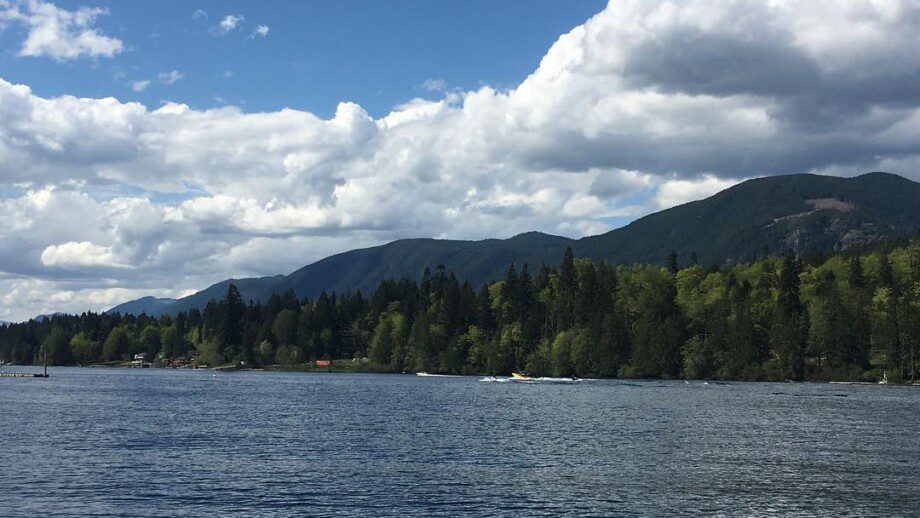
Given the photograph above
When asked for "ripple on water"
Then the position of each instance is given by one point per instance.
(161, 443)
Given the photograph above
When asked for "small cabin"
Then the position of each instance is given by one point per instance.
(323, 363)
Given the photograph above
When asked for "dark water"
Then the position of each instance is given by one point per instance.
(165, 443)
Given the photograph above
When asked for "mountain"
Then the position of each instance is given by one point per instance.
(47, 316)
(810, 214)
(363, 269)
(475, 261)
(250, 289)
(149, 305)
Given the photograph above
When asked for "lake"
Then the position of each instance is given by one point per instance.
(169, 442)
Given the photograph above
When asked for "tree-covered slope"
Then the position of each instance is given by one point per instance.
(809, 214)
(363, 269)
(474, 261)
(250, 289)
(149, 305)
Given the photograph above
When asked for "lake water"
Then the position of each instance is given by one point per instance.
(166, 442)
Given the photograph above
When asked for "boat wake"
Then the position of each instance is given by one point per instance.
(541, 380)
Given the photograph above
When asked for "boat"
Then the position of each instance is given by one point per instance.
(517, 376)
(884, 380)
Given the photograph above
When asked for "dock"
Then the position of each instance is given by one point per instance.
(23, 375)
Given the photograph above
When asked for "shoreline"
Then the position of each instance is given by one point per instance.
(343, 368)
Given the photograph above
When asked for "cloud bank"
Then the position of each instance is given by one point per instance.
(646, 105)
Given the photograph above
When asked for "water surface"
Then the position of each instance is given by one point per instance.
(167, 442)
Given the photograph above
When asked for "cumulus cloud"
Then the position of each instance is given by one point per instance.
(645, 106)
(230, 22)
(260, 30)
(73, 254)
(678, 192)
(58, 33)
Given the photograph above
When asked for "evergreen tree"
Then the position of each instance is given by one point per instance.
(55, 347)
(672, 262)
(790, 327)
(230, 326)
(150, 341)
(116, 344)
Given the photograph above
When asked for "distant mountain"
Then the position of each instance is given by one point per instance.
(810, 214)
(363, 269)
(46, 316)
(250, 289)
(149, 305)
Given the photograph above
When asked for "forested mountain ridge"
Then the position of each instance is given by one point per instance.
(363, 269)
(149, 305)
(808, 214)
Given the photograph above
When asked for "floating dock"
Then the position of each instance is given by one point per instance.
(23, 375)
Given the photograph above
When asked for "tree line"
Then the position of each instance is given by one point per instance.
(846, 317)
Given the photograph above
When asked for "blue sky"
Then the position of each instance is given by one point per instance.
(376, 53)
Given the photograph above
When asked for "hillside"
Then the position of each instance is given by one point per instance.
(250, 289)
(149, 305)
(363, 269)
(475, 261)
(810, 214)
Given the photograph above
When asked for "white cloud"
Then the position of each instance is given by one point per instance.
(57, 33)
(646, 105)
(677, 192)
(73, 254)
(230, 22)
(140, 86)
(260, 30)
(171, 77)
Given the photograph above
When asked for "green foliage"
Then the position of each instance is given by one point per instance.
(172, 342)
(284, 327)
(208, 353)
(846, 317)
(150, 342)
(388, 339)
(85, 350)
(55, 347)
(116, 345)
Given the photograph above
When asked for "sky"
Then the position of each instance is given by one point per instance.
(156, 147)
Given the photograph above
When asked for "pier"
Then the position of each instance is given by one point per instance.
(27, 374)
(23, 375)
